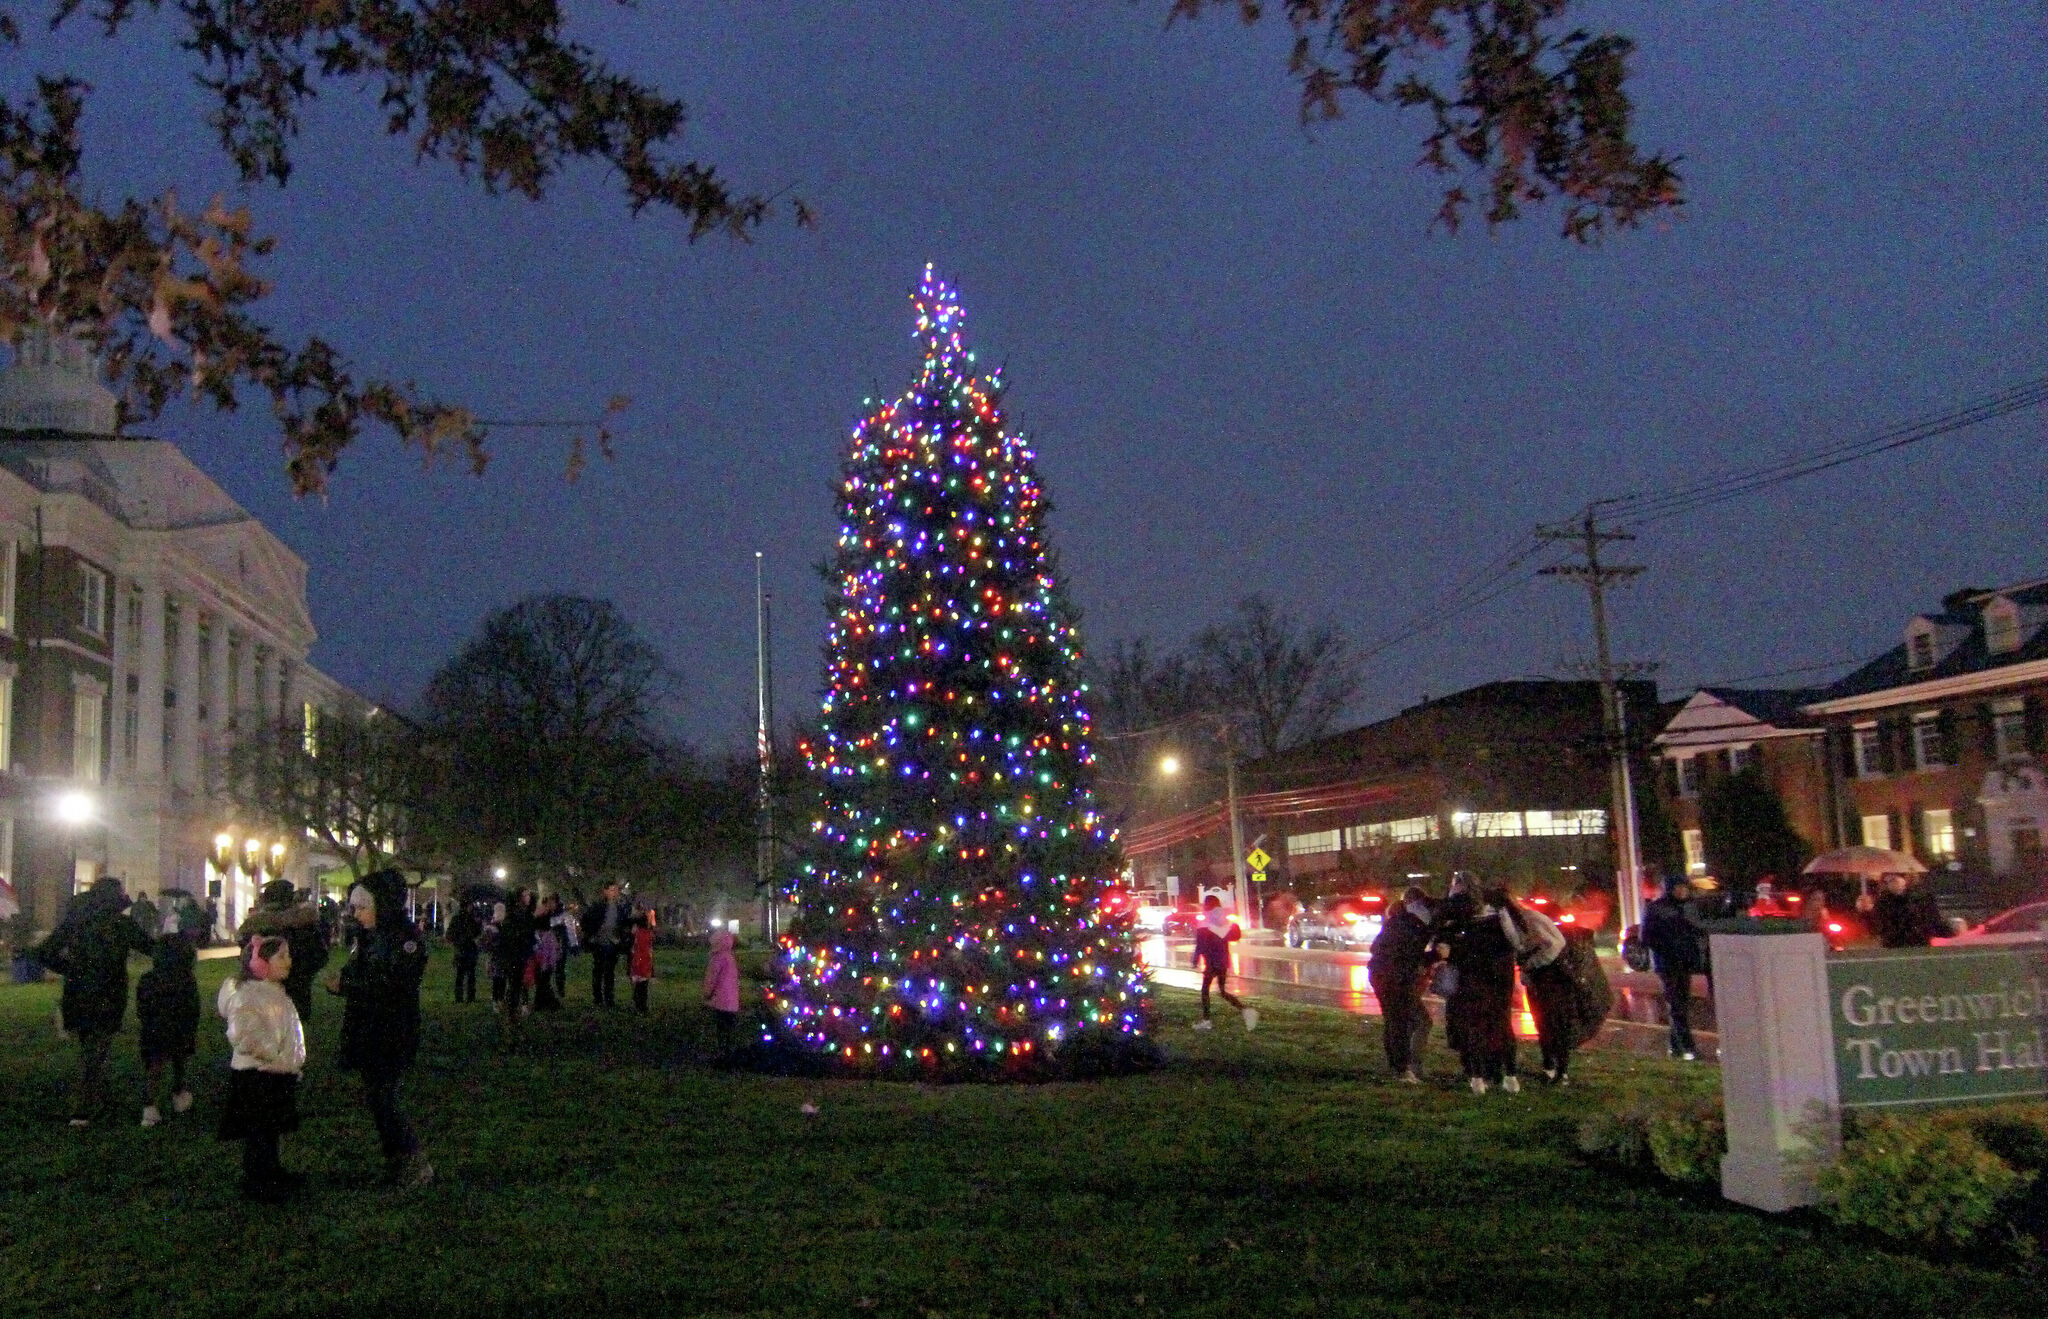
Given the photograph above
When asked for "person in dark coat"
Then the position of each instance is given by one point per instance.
(1481, 1008)
(1677, 953)
(1212, 955)
(1399, 960)
(279, 913)
(607, 932)
(90, 948)
(518, 939)
(167, 1019)
(464, 932)
(380, 1020)
(1904, 914)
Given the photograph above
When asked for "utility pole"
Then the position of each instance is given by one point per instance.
(1587, 538)
(764, 822)
(1239, 896)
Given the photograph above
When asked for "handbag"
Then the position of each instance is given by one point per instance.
(1635, 954)
(1443, 982)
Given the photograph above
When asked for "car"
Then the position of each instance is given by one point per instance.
(1180, 923)
(2026, 923)
(1344, 923)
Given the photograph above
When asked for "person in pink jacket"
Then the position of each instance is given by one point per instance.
(722, 992)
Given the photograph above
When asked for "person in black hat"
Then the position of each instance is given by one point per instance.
(90, 948)
(380, 1021)
(280, 912)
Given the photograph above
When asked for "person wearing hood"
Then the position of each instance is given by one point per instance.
(465, 933)
(280, 912)
(1539, 952)
(1482, 1005)
(90, 948)
(722, 992)
(167, 1021)
(1212, 955)
(380, 1019)
(1399, 960)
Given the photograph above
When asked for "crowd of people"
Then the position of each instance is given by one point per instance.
(269, 1001)
(1467, 948)
(265, 1006)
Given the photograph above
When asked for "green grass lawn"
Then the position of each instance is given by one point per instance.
(595, 1170)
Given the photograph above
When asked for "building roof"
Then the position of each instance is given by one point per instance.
(1963, 612)
(1734, 716)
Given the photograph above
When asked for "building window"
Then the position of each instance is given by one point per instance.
(7, 578)
(1487, 824)
(88, 709)
(131, 724)
(1929, 746)
(1877, 831)
(1695, 851)
(1565, 824)
(1324, 840)
(1869, 751)
(1688, 776)
(1920, 651)
(2009, 730)
(1414, 829)
(1741, 758)
(7, 848)
(1938, 834)
(6, 721)
(92, 601)
(311, 736)
(2001, 627)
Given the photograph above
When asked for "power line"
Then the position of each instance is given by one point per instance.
(1643, 509)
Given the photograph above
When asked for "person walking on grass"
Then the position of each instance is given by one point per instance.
(566, 932)
(263, 1076)
(380, 1021)
(722, 993)
(1212, 957)
(90, 948)
(167, 1019)
(1539, 952)
(280, 911)
(1677, 953)
(1479, 1014)
(547, 955)
(1397, 965)
(465, 934)
(607, 929)
(518, 935)
(640, 962)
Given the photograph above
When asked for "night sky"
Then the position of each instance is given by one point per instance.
(1246, 362)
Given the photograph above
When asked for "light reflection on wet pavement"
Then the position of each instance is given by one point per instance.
(1338, 979)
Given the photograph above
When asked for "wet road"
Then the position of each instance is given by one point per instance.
(1338, 979)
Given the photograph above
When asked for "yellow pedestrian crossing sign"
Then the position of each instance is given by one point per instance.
(1258, 860)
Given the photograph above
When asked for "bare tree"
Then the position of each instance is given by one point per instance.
(355, 781)
(552, 719)
(1283, 682)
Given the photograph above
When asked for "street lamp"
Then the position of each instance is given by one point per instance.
(74, 809)
(500, 873)
(1240, 894)
(1169, 765)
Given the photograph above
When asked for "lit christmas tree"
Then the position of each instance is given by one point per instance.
(950, 913)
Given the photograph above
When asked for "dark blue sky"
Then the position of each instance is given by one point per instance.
(1245, 361)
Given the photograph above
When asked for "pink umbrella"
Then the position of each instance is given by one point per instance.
(1865, 862)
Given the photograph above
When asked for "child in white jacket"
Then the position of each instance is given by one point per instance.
(263, 1078)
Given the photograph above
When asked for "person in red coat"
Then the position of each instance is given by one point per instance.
(640, 962)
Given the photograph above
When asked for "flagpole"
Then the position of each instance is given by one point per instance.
(764, 746)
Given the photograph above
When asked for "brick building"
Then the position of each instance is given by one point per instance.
(1934, 748)
(1937, 745)
(145, 618)
(1721, 731)
(1508, 780)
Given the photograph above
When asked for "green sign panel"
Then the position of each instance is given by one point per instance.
(1939, 1025)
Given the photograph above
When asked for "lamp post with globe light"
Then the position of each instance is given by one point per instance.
(74, 809)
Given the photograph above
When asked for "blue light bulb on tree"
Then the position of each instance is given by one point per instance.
(949, 906)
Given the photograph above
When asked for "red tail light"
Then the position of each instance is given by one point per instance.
(1567, 919)
(1834, 927)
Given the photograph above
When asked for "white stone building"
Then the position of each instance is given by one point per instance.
(145, 620)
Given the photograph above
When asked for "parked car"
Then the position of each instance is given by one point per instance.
(1180, 923)
(2026, 923)
(1347, 923)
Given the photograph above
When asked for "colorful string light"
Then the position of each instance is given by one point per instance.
(952, 914)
